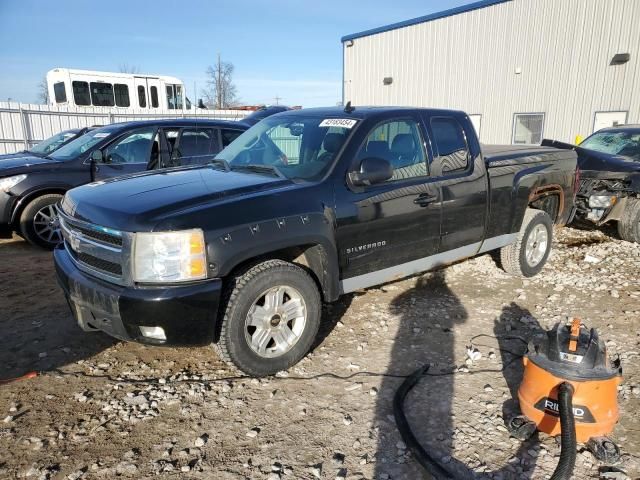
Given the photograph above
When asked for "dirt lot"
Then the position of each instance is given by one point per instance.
(101, 409)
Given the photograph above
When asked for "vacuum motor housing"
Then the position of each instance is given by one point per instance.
(573, 354)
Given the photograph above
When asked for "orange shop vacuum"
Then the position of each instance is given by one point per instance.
(569, 388)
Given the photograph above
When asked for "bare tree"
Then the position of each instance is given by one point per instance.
(43, 92)
(126, 68)
(220, 92)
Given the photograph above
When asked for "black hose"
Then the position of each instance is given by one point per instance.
(428, 463)
(567, 434)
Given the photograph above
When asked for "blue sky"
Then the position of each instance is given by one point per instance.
(288, 48)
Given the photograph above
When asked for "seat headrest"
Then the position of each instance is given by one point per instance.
(403, 144)
(378, 149)
(333, 141)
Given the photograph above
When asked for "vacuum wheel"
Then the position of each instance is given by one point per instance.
(521, 427)
(604, 449)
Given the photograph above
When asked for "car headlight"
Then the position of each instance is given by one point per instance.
(168, 257)
(602, 201)
(8, 183)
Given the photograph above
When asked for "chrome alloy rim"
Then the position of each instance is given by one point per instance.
(275, 321)
(536, 245)
(47, 225)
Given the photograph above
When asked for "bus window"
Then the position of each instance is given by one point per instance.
(154, 97)
(102, 94)
(81, 93)
(179, 96)
(122, 94)
(142, 97)
(60, 92)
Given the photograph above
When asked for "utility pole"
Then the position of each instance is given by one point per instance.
(277, 99)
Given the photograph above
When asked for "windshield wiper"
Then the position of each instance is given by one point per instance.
(221, 162)
(259, 168)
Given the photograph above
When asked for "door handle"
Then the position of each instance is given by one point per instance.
(424, 200)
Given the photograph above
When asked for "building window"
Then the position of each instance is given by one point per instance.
(527, 128)
(81, 93)
(122, 94)
(102, 94)
(60, 92)
(142, 97)
(154, 97)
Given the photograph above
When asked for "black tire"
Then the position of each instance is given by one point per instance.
(244, 290)
(32, 232)
(629, 224)
(513, 258)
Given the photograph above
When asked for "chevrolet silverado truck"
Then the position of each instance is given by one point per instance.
(609, 162)
(302, 208)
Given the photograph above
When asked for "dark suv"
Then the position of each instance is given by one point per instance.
(31, 185)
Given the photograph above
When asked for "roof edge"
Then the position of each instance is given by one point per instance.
(426, 18)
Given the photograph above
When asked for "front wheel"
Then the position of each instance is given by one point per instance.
(271, 318)
(629, 224)
(39, 222)
(529, 253)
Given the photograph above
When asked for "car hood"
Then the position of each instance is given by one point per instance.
(19, 162)
(140, 202)
(606, 162)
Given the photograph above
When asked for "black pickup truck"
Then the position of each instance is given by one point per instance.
(303, 207)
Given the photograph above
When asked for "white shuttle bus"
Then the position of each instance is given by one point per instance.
(122, 91)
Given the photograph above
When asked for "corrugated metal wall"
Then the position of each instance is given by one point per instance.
(23, 125)
(468, 61)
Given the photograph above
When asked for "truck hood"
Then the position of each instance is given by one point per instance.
(21, 163)
(139, 202)
(606, 162)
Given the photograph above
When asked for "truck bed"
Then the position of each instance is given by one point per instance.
(501, 155)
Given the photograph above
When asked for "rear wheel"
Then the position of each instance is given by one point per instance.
(529, 253)
(39, 223)
(271, 318)
(629, 224)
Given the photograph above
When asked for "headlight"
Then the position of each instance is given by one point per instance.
(8, 183)
(601, 201)
(167, 257)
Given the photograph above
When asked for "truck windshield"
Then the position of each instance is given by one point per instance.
(81, 144)
(616, 143)
(299, 147)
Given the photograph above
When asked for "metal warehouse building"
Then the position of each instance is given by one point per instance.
(522, 69)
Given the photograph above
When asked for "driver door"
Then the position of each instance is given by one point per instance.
(131, 153)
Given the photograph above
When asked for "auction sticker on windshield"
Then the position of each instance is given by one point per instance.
(101, 135)
(338, 122)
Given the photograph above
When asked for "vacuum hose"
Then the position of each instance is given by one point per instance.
(436, 470)
(567, 434)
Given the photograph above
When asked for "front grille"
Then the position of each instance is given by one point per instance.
(99, 251)
(95, 262)
(100, 236)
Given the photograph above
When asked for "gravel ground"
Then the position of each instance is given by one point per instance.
(104, 409)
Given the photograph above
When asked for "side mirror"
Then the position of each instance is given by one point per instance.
(96, 156)
(372, 170)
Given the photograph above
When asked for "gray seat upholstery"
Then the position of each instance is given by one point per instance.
(332, 143)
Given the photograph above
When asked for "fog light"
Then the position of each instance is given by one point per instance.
(153, 332)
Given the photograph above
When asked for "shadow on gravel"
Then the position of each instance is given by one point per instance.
(429, 312)
(37, 330)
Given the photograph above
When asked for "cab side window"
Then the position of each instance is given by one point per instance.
(132, 148)
(451, 147)
(400, 143)
(229, 136)
(197, 142)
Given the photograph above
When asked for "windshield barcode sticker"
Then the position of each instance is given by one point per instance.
(338, 122)
(100, 135)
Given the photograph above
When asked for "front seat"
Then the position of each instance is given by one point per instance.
(378, 149)
(403, 150)
(332, 143)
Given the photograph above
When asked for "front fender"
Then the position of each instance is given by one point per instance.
(229, 249)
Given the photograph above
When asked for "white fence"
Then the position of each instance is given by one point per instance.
(22, 125)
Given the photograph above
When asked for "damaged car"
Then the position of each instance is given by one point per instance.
(609, 162)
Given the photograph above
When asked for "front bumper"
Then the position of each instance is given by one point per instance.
(7, 202)
(187, 314)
